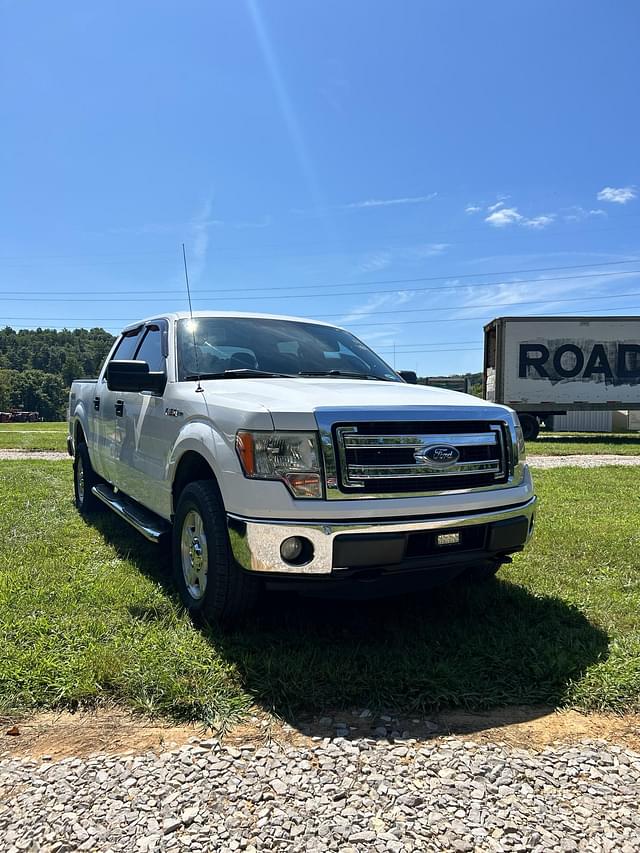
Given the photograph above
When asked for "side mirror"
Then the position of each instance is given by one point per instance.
(134, 376)
(408, 376)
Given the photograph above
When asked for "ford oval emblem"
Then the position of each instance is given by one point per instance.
(437, 455)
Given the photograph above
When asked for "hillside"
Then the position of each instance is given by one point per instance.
(37, 366)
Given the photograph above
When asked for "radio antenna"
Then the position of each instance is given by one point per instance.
(193, 325)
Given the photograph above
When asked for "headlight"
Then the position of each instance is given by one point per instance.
(291, 457)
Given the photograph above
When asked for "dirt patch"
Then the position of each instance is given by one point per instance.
(59, 735)
(106, 731)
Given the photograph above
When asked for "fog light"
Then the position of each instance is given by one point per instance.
(291, 549)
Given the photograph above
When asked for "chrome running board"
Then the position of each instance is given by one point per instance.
(146, 522)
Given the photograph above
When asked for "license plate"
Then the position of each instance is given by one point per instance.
(443, 539)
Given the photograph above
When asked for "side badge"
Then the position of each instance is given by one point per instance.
(174, 413)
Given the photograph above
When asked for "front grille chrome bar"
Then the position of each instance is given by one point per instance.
(374, 442)
(387, 472)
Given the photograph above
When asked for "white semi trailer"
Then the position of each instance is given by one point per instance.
(541, 366)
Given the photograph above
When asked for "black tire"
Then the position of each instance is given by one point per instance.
(84, 479)
(210, 582)
(530, 427)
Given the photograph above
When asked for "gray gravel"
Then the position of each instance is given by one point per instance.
(361, 795)
(48, 455)
(582, 460)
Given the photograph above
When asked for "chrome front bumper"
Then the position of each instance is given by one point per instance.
(256, 544)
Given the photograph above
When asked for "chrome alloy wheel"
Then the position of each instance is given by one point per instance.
(195, 558)
(80, 479)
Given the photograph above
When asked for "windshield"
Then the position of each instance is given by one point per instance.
(266, 346)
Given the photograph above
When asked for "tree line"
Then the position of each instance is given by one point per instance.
(37, 366)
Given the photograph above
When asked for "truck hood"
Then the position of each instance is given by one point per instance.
(293, 402)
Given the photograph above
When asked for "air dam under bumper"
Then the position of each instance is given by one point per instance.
(332, 549)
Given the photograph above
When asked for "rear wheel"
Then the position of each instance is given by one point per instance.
(84, 479)
(210, 582)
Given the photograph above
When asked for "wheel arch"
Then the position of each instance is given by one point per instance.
(191, 466)
(79, 436)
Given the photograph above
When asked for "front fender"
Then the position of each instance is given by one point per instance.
(201, 437)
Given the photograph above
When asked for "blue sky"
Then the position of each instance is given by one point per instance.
(406, 169)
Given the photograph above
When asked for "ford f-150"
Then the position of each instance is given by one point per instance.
(283, 450)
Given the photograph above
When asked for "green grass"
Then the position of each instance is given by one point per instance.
(41, 436)
(566, 444)
(88, 615)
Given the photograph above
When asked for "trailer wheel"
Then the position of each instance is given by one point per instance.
(530, 426)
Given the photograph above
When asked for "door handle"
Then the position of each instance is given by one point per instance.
(96, 403)
(119, 408)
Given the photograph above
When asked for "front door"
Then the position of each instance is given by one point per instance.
(139, 437)
(107, 404)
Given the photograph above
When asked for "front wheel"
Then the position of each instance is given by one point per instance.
(209, 581)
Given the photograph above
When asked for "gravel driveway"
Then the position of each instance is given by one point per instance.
(583, 460)
(342, 795)
(48, 455)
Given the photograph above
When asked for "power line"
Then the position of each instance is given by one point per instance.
(481, 317)
(415, 280)
(423, 344)
(503, 304)
(388, 350)
(356, 322)
(617, 273)
(471, 306)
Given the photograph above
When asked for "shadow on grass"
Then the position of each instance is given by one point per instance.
(458, 646)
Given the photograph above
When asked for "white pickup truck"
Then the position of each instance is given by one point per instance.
(282, 450)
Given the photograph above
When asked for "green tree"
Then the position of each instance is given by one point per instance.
(38, 391)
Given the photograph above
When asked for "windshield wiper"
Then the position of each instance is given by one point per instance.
(239, 373)
(344, 373)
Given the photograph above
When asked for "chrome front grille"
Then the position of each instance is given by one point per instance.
(379, 458)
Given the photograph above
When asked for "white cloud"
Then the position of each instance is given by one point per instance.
(200, 239)
(374, 304)
(619, 195)
(495, 206)
(265, 222)
(472, 208)
(539, 221)
(386, 202)
(549, 291)
(375, 262)
(165, 227)
(430, 250)
(504, 216)
(576, 213)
